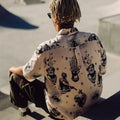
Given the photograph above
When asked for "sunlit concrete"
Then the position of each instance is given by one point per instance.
(17, 45)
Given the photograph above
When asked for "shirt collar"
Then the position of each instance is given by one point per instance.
(67, 31)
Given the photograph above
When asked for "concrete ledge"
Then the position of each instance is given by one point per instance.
(109, 33)
(27, 2)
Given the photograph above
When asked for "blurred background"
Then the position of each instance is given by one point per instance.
(24, 24)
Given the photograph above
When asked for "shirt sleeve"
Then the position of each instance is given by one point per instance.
(34, 68)
(103, 58)
(102, 52)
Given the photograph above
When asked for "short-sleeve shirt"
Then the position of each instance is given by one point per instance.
(73, 64)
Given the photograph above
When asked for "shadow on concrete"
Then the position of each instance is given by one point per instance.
(10, 20)
(37, 116)
(29, 2)
(105, 109)
(4, 101)
(108, 109)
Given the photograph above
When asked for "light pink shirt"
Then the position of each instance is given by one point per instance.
(73, 64)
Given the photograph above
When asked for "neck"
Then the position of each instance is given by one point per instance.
(58, 26)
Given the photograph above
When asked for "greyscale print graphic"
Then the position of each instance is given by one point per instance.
(74, 69)
(91, 68)
(64, 84)
(104, 58)
(50, 70)
(92, 37)
(99, 83)
(80, 99)
(54, 112)
(47, 47)
(29, 66)
(91, 73)
(51, 75)
(87, 59)
(95, 95)
(56, 98)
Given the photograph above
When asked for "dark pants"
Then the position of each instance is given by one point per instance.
(23, 91)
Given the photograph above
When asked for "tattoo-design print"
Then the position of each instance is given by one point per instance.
(99, 83)
(74, 69)
(56, 98)
(99, 42)
(55, 45)
(77, 113)
(50, 70)
(92, 37)
(104, 58)
(64, 84)
(54, 112)
(91, 73)
(87, 59)
(49, 61)
(29, 66)
(47, 47)
(42, 49)
(73, 30)
(100, 69)
(74, 43)
(95, 96)
(80, 99)
(51, 75)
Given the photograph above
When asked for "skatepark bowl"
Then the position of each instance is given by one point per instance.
(10, 20)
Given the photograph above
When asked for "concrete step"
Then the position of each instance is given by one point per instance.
(106, 109)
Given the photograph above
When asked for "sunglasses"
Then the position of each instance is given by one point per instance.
(49, 15)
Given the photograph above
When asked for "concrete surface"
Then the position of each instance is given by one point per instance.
(17, 46)
(28, 2)
(109, 33)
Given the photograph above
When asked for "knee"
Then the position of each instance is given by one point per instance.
(14, 77)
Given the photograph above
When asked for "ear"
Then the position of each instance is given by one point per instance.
(56, 24)
(56, 21)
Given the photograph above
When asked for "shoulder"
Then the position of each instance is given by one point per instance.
(88, 36)
(91, 37)
(47, 45)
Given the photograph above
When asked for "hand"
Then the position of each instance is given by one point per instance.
(16, 70)
(11, 71)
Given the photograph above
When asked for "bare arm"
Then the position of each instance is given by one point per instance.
(16, 70)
